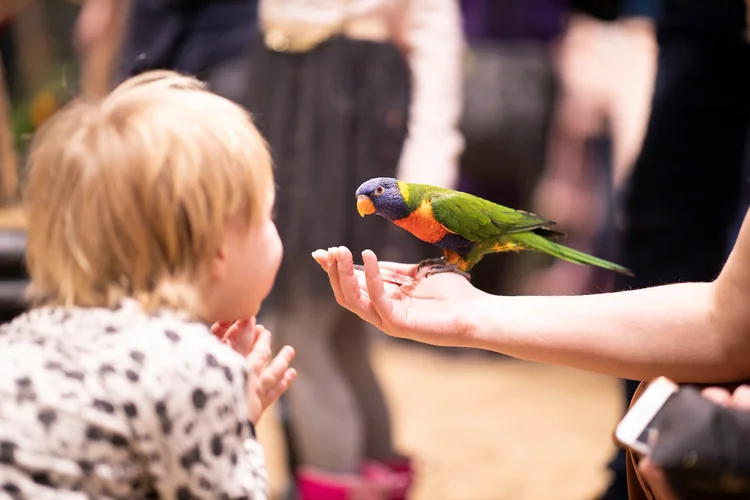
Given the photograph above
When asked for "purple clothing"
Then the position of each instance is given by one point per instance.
(509, 20)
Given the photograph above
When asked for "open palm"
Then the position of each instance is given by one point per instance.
(432, 310)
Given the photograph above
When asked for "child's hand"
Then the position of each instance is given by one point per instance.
(265, 383)
(240, 335)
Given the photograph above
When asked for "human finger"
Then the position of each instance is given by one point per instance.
(717, 395)
(273, 394)
(656, 479)
(381, 301)
(274, 373)
(261, 352)
(355, 296)
(741, 398)
(333, 276)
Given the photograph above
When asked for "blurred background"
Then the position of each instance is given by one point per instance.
(550, 115)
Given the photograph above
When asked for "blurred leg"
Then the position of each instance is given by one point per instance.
(325, 114)
(325, 418)
(351, 342)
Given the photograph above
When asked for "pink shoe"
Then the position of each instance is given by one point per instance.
(396, 474)
(313, 484)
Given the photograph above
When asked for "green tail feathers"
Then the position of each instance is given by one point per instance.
(541, 244)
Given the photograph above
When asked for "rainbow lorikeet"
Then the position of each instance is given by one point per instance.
(465, 226)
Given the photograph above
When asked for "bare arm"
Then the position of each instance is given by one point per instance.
(690, 332)
(636, 334)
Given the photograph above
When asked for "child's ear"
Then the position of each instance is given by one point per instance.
(219, 264)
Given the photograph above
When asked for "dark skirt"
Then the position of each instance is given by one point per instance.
(334, 117)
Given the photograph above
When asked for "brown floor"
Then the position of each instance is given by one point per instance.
(490, 428)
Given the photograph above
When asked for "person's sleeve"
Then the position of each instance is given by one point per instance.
(432, 36)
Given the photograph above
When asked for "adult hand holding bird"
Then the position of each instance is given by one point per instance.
(434, 310)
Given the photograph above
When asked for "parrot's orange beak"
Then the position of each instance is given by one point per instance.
(364, 205)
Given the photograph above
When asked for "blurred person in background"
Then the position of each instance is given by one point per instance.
(681, 201)
(508, 100)
(582, 70)
(344, 91)
(209, 39)
(606, 62)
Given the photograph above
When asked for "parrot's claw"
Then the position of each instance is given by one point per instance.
(437, 266)
(447, 268)
(438, 262)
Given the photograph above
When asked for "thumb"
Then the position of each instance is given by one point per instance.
(321, 257)
(261, 350)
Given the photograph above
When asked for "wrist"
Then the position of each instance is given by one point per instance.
(253, 411)
(481, 330)
(253, 415)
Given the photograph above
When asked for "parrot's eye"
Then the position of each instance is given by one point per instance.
(379, 191)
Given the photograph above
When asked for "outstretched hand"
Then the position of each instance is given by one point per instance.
(266, 382)
(433, 310)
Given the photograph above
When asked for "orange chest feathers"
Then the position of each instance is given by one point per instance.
(422, 224)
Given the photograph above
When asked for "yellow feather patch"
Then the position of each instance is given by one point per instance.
(404, 188)
(507, 247)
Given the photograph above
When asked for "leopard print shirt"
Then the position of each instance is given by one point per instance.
(117, 403)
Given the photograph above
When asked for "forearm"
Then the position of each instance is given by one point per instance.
(668, 330)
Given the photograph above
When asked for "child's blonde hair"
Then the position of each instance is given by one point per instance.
(129, 196)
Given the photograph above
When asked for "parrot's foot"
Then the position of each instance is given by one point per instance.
(447, 268)
(438, 262)
(437, 266)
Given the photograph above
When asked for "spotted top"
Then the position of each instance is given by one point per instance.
(115, 404)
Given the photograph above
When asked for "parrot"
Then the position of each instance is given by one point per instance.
(464, 226)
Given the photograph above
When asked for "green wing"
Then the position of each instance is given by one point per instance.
(477, 219)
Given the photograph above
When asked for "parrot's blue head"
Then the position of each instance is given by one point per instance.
(381, 196)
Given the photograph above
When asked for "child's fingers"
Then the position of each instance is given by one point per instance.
(236, 328)
(275, 392)
(274, 373)
(245, 342)
(257, 331)
(242, 336)
(219, 329)
(260, 352)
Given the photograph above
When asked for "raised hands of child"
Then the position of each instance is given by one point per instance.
(266, 381)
